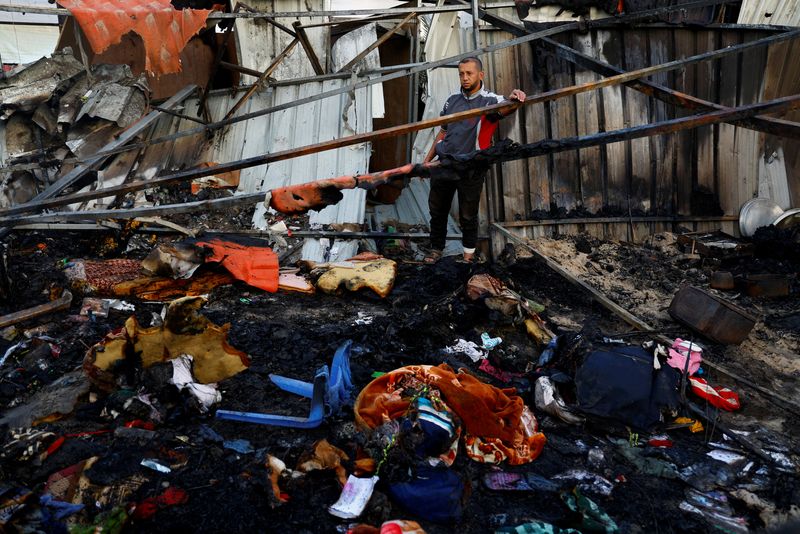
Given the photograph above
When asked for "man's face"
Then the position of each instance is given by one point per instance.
(470, 77)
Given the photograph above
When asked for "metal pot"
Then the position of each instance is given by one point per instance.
(756, 213)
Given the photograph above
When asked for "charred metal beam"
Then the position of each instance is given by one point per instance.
(254, 161)
(270, 19)
(300, 198)
(764, 124)
(148, 211)
(569, 26)
(179, 115)
(403, 129)
(21, 8)
(238, 68)
(316, 195)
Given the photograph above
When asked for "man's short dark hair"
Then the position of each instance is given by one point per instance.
(473, 59)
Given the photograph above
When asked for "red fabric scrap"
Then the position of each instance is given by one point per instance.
(148, 507)
(55, 445)
(163, 29)
(255, 265)
(721, 397)
(138, 423)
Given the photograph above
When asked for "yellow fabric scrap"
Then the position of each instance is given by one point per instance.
(377, 275)
(697, 426)
(185, 331)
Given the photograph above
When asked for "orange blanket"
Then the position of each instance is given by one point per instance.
(498, 425)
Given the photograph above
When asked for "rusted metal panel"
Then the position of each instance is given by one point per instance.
(711, 316)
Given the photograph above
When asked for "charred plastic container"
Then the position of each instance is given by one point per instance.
(711, 316)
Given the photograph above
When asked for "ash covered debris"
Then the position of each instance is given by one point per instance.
(430, 430)
(308, 365)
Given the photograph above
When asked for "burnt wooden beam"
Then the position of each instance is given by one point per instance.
(383, 38)
(452, 60)
(312, 56)
(62, 303)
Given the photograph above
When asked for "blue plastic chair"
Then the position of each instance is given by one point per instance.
(328, 393)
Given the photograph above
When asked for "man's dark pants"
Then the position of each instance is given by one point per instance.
(468, 185)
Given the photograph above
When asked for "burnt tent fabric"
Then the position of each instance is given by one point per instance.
(621, 383)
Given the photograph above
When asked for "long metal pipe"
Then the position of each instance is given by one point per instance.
(398, 130)
(369, 181)
(427, 66)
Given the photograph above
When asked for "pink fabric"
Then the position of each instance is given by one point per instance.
(678, 353)
(503, 376)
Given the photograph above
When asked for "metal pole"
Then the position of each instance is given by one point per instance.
(476, 37)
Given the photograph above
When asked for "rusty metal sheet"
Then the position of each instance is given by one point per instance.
(164, 30)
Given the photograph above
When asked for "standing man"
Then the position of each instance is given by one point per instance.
(457, 138)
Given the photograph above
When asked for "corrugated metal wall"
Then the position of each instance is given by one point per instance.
(657, 176)
(779, 169)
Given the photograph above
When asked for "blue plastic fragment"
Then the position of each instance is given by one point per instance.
(548, 353)
(60, 509)
(328, 393)
(242, 446)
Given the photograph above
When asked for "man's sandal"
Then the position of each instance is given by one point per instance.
(433, 256)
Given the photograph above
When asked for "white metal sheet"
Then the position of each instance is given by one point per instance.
(25, 43)
(259, 42)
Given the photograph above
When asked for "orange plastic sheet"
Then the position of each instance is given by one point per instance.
(255, 265)
(163, 29)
